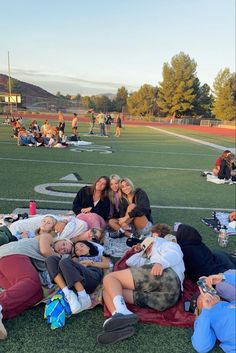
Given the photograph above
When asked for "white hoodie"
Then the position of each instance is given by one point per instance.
(163, 252)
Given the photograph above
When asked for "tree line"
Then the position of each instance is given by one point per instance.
(179, 94)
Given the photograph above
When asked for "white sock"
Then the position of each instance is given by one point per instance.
(120, 305)
(66, 291)
(83, 296)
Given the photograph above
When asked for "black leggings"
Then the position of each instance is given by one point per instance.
(73, 272)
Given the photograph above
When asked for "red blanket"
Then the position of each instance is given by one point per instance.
(175, 316)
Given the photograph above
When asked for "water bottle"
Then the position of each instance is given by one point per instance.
(223, 237)
(32, 208)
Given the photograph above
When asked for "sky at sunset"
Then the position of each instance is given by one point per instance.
(95, 46)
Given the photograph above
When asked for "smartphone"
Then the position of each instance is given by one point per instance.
(205, 288)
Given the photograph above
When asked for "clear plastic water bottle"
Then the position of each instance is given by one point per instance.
(223, 237)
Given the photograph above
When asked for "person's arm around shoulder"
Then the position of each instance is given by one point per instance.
(105, 263)
(45, 245)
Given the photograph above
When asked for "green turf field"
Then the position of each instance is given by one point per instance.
(167, 167)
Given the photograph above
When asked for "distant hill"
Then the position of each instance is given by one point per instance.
(24, 88)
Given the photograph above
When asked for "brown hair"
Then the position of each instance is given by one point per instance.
(162, 229)
(225, 154)
(229, 160)
(104, 192)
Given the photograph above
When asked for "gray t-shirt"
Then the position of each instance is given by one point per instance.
(28, 247)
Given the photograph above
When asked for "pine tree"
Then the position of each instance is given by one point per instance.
(225, 95)
(166, 89)
(204, 101)
(144, 101)
(120, 100)
(179, 87)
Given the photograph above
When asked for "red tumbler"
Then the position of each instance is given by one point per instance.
(32, 208)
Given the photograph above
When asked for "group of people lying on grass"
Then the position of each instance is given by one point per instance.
(68, 252)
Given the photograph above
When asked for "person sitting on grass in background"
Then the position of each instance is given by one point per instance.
(135, 211)
(34, 126)
(46, 129)
(219, 159)
(215, 320)
(154, 279)
(25, 138)
(82, 272)
(227, 168)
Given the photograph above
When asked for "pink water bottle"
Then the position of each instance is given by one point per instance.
(32, 208)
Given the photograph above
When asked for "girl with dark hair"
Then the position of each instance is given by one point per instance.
(219, 159)
(83, 272)
(227, 168)
(94, 198)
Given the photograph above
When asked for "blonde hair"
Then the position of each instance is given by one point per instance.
(52, 231)
(127, 181)
(111, 193)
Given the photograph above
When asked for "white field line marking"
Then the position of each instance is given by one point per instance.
(99, 164)
(42, 189)
(152, 206)
(219, 147)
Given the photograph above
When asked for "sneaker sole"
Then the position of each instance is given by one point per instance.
(115, 336)
(120, 322)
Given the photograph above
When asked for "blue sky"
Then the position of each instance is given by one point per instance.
(92, 46)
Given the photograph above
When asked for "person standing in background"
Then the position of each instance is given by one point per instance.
(92, 119)
(61, 125)
(74, 124)
(101, 122)
(118, 126)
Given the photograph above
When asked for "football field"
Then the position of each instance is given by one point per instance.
(167, 166)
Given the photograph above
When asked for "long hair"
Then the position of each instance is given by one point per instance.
(229, 160)
(111, 193)
(130, 183)
(225, 154)
(104, 192)
(52, 231)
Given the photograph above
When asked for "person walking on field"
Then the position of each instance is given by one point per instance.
(118, 126)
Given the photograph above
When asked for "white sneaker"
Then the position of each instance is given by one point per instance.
(85, 303)
(3, 332)
(73, 301)
(38, 144)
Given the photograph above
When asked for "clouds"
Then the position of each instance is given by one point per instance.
(66, 84)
